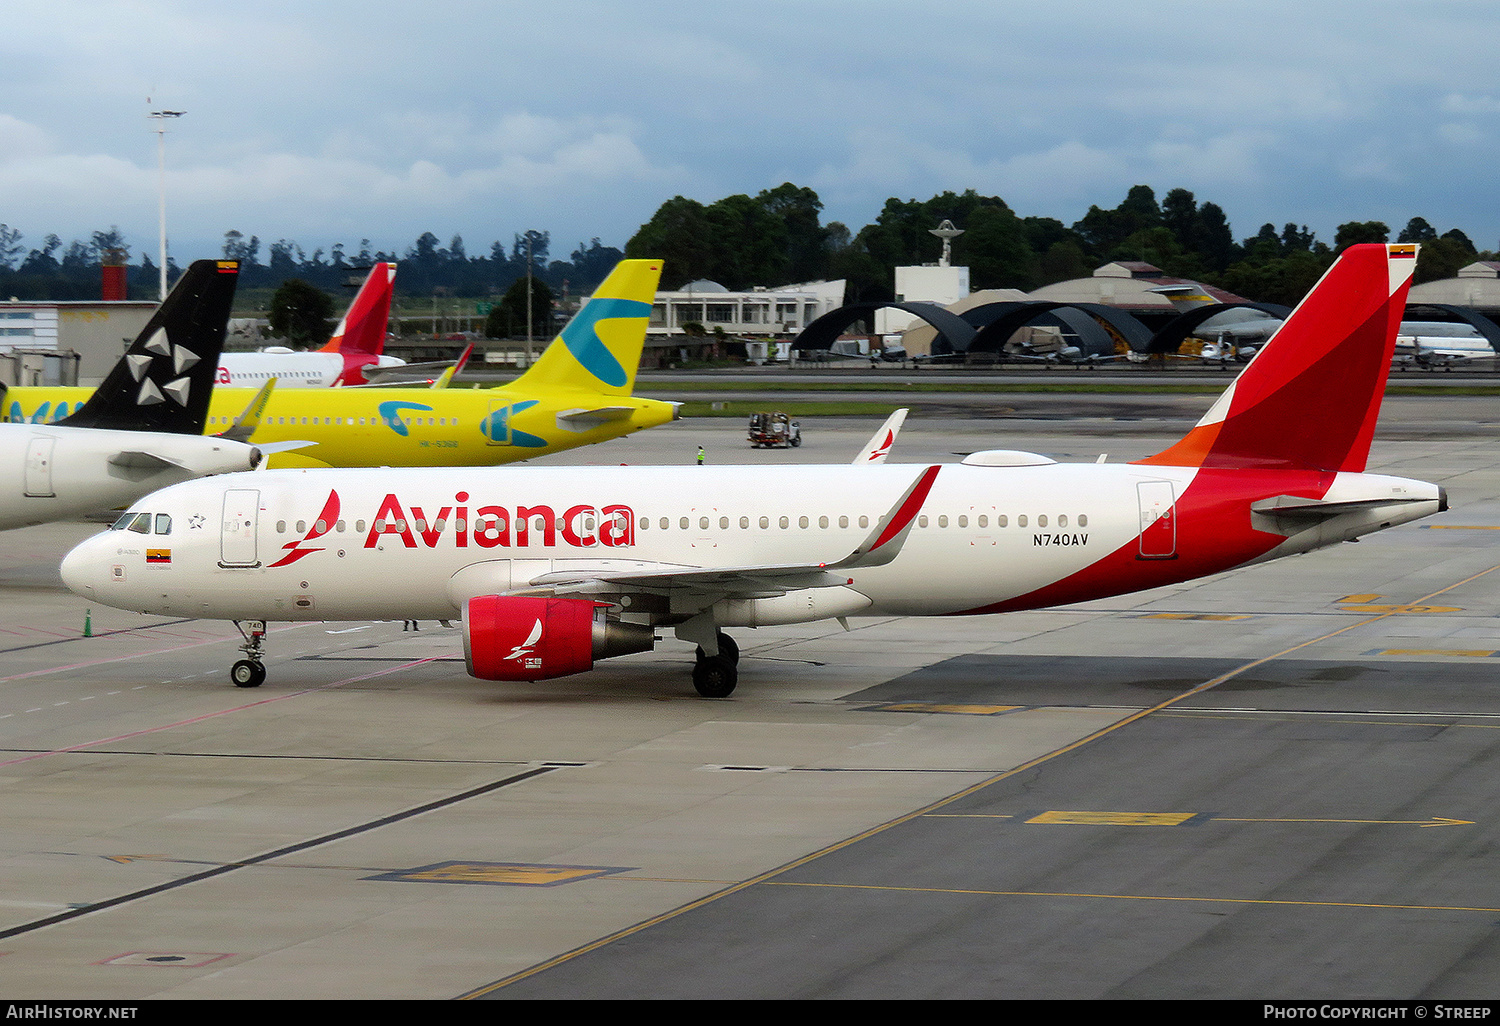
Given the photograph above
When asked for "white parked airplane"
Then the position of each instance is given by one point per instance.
(1235, 334)
(357, 345)
(1431, 344)
(554, 568)
(142, 429)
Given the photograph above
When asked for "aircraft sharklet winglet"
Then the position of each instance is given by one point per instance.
(890, 532)
(245, 424)
(445, 379)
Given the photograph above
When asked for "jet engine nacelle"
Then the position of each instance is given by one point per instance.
(510, 638)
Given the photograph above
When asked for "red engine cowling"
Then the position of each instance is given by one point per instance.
(528, 638)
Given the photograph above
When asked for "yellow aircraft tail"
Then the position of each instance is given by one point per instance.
(600, 348)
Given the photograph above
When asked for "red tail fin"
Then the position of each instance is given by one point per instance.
(362, 329)
(1310, 398)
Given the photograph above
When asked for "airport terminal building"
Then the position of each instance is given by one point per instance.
(66, 343)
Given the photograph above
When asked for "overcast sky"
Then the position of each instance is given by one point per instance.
(336, 121)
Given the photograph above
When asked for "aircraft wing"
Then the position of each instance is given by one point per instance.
(882, 545)
(664, 579)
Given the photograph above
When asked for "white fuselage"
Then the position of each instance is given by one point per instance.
(1429, 344)
(419, 543)
(49, 472)
(291, 369)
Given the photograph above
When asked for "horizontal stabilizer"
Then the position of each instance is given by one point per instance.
(269, 448)
(139, 459)
(1300, 508)
(583, 420)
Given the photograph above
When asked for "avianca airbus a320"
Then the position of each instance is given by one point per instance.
(552, 569)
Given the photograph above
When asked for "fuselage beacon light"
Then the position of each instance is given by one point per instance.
(554, 569)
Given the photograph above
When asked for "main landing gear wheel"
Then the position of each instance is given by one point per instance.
(716, 676)
(246, 674)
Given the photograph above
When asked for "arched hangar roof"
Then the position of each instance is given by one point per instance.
(1170, 338)
(1468, 315)
(1083, 318)
(823, 332)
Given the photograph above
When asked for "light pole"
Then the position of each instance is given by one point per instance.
(528, 299)
(161, 116)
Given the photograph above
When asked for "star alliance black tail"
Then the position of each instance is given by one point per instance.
(164, 380)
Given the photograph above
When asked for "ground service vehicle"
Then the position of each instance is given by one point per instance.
(774, 431)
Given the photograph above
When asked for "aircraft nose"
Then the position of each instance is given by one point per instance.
(82, 569)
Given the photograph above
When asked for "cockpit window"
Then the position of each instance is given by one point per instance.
(123, 522)
(141, 524)
(163, 523)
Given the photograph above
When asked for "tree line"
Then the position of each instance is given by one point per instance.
(52, 271)
(778, 237)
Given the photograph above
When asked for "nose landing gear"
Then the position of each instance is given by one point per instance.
(250, 672)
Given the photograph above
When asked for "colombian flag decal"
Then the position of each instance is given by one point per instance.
(158, 555)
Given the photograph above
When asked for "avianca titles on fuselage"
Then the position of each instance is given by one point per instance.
(576, 393)
(575, 564)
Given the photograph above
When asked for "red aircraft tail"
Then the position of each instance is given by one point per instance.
(362, 329)
(1310, 398)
